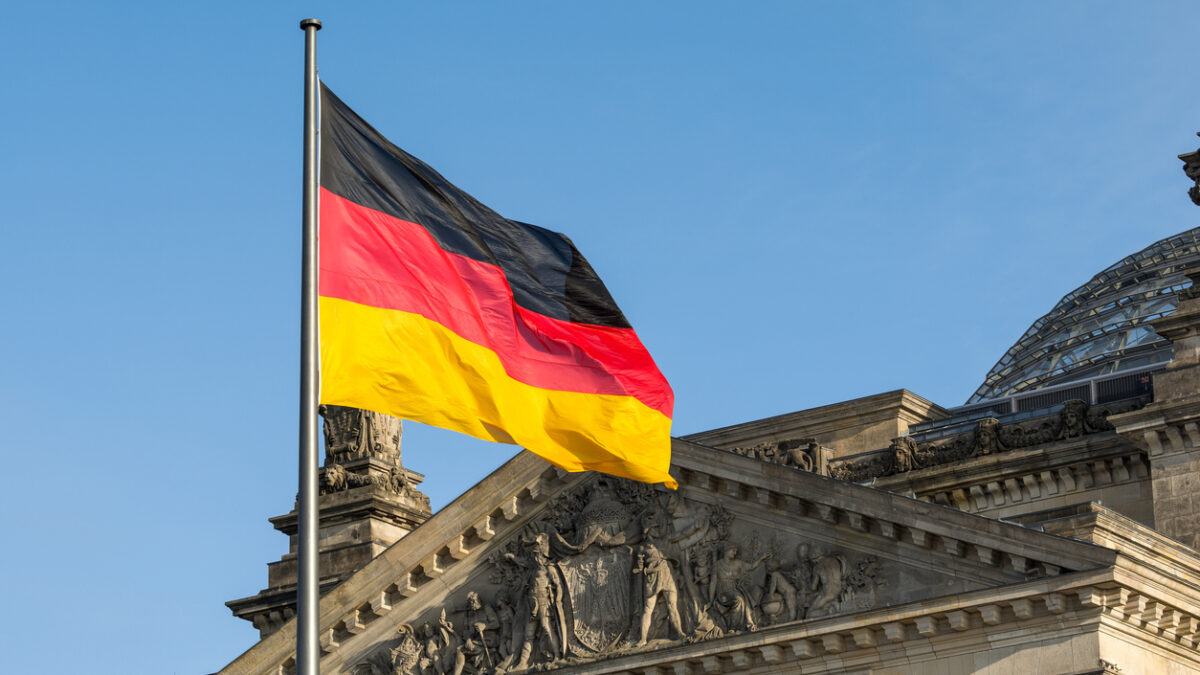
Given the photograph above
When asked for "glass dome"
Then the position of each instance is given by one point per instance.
(1100, 327)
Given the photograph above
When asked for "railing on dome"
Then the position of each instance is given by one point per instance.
(1095, 391)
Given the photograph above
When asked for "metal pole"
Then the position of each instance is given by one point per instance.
(308, 651)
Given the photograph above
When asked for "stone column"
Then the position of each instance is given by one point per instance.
(1167, 429)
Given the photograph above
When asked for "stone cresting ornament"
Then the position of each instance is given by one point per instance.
(616, 567)
(1075, 420)
(1191, 168)
(352, 433)
(805, 454)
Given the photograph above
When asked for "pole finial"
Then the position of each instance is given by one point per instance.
(310, 22)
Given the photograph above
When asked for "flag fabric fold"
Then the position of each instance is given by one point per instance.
(435, 308)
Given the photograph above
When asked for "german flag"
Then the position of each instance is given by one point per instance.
(435, 308)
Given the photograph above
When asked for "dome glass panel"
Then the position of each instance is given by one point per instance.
(1101, 327)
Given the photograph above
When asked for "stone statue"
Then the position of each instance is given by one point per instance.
(1191, 168)
(657, 580)
(543, 592)
(506, 638)
(802, 578)
(397, 480)
(437, 643)
(828, 573)
(987, 437)
(904, 454)
(352, 433)
(779, 591)
(861, 586)
(476, 652)
(804, 454)
(731, 592)
(1073, 419)
(702, 573)
(336, 479)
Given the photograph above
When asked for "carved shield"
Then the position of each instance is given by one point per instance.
(598, 586)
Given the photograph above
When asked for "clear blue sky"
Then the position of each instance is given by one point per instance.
(794, 203)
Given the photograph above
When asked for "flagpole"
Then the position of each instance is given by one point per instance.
(308, 651)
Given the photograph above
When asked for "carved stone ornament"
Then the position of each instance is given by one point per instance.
(335, 478)
(805, 454)
(1074, 420)
(616, 567)
(352, 433)
(1191, 167)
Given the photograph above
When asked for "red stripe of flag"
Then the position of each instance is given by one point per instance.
(376, 259)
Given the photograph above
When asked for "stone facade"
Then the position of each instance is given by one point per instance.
(845, 539)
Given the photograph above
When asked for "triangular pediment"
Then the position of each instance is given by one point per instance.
(563, 566)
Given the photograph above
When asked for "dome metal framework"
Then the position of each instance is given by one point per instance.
(1100, 327)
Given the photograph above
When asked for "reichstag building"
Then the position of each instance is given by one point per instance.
(1048, 525)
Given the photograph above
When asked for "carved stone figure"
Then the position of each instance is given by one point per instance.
(506, 637)
(352, 433)
(397, 480)
(828, 573)
(437, 644)
(802, 578)
(861, 586)
(702, 572)
(543, 593)
(657, 580)
(987, 437)
(731, 593)
(780, 591)
(1191, 168)
(336, 479)
(805, 454)
(904, 453)
(1072, 419)
(476, 651)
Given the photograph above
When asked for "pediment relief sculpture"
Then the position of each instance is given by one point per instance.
(616, 567)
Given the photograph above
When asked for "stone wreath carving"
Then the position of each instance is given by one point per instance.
(1074, 420)
(618, 567)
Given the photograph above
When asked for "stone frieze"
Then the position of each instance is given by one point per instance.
(1076, 419)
